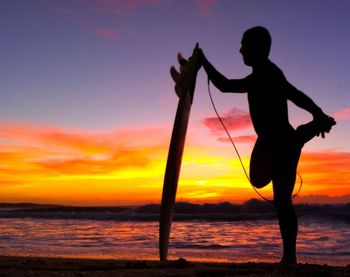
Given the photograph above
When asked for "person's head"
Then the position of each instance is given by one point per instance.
(256, 44)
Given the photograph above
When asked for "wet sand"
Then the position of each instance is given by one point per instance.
(37, 266)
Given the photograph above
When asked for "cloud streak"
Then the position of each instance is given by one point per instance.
(98, 16)
(40, 160)
(343, 114)
(106, 32)
(239, 139)
(326, 172)
(93, 14)
(205, 5)
(29, 151)
(119, 7)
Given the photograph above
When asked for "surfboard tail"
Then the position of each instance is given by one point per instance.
(172, 175)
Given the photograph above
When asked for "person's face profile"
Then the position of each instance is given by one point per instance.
(247, 52)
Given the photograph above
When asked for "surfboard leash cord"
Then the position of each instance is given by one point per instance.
(237, 152)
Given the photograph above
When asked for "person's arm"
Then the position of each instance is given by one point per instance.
(220, 81)
(303, 101)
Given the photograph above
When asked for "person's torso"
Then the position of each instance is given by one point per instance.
(268, 102)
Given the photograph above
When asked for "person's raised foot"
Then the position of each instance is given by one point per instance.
(314, 128)
(326, 124)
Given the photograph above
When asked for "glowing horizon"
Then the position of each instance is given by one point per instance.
(46, 164)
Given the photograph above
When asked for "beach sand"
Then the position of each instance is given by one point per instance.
(38, 266)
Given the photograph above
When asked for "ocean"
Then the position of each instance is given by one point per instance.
(321, 240)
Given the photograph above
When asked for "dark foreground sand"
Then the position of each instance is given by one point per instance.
(34, 266)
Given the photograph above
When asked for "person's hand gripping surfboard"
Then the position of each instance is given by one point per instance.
(185, 79)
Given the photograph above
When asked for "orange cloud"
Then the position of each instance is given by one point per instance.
(326, 172)
(73, 166)
(48, 164)
(50, 151)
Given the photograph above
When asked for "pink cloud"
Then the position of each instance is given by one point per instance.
(342, 114)
(60, 9)
(105, 32)
(234, 119)
(121, 7)
(82, 11)
(204, 5)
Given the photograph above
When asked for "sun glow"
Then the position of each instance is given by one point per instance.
(52, 165)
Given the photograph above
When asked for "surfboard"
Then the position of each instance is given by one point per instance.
(185, 82)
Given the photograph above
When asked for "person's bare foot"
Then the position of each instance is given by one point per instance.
(314, 128)
(288, 261)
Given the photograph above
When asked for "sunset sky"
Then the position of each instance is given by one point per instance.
(87, 102)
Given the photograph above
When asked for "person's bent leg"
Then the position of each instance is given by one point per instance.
(260, 164)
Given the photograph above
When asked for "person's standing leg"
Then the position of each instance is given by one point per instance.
(283, 184)
(288, 223)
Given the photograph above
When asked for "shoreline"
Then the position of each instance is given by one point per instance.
(47, 266)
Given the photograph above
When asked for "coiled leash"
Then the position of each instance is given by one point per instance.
(237, 152)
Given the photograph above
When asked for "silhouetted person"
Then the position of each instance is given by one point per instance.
(277, 149)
